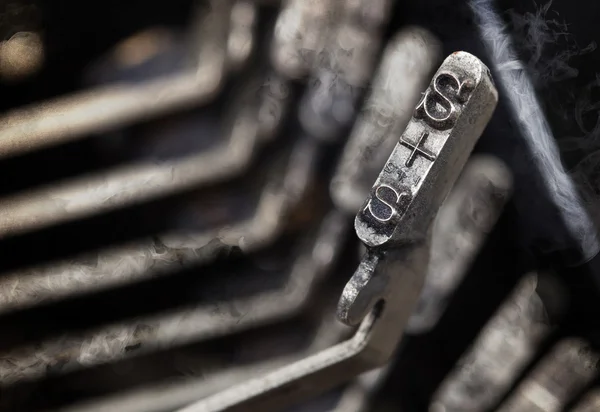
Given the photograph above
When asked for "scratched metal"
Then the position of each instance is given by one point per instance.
(416, 178)
(205, 320)
(255, 120)
(142, 259)
(382, 325)
(566, 370)
(500, 352)
(407, 64)
(126, 185)
(429, 156)
(169, 396)
(369, 348)
(353, 49)
(461, 226)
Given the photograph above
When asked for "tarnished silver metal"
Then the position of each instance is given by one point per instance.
(569, 368)
(460, 228)
(370, 347)
(418, 175)
(383, 290)
(110, 107)
(254, 122)
(88, 195)
(406, 67)
(393, 276)
(189, 324)
(499, 354)
(430, 154)
(145, 258)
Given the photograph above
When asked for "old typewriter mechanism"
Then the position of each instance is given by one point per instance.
(295, 205)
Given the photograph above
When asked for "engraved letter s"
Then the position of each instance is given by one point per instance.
(381, 197)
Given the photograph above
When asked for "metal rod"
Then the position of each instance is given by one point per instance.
(568, 368)
(589, 403)
(127, 185)
(138, 182)
(501, 351)
(139, 260)
(377, 278)
(193, 323)
(468, 215)
(110, 107)
(169, 396)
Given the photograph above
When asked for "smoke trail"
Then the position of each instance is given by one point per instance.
(520, 92)
(548, 48)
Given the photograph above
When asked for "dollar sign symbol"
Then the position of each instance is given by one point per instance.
(439, 105)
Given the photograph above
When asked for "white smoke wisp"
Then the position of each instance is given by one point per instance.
(538, 32)
(526, 108)
(548, 47)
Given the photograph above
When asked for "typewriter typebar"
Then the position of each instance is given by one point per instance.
(298, 205)
(453, 112)
(422, 169)
(447, 122)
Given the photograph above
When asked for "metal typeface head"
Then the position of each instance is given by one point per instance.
(430, 154)
(423, 167)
